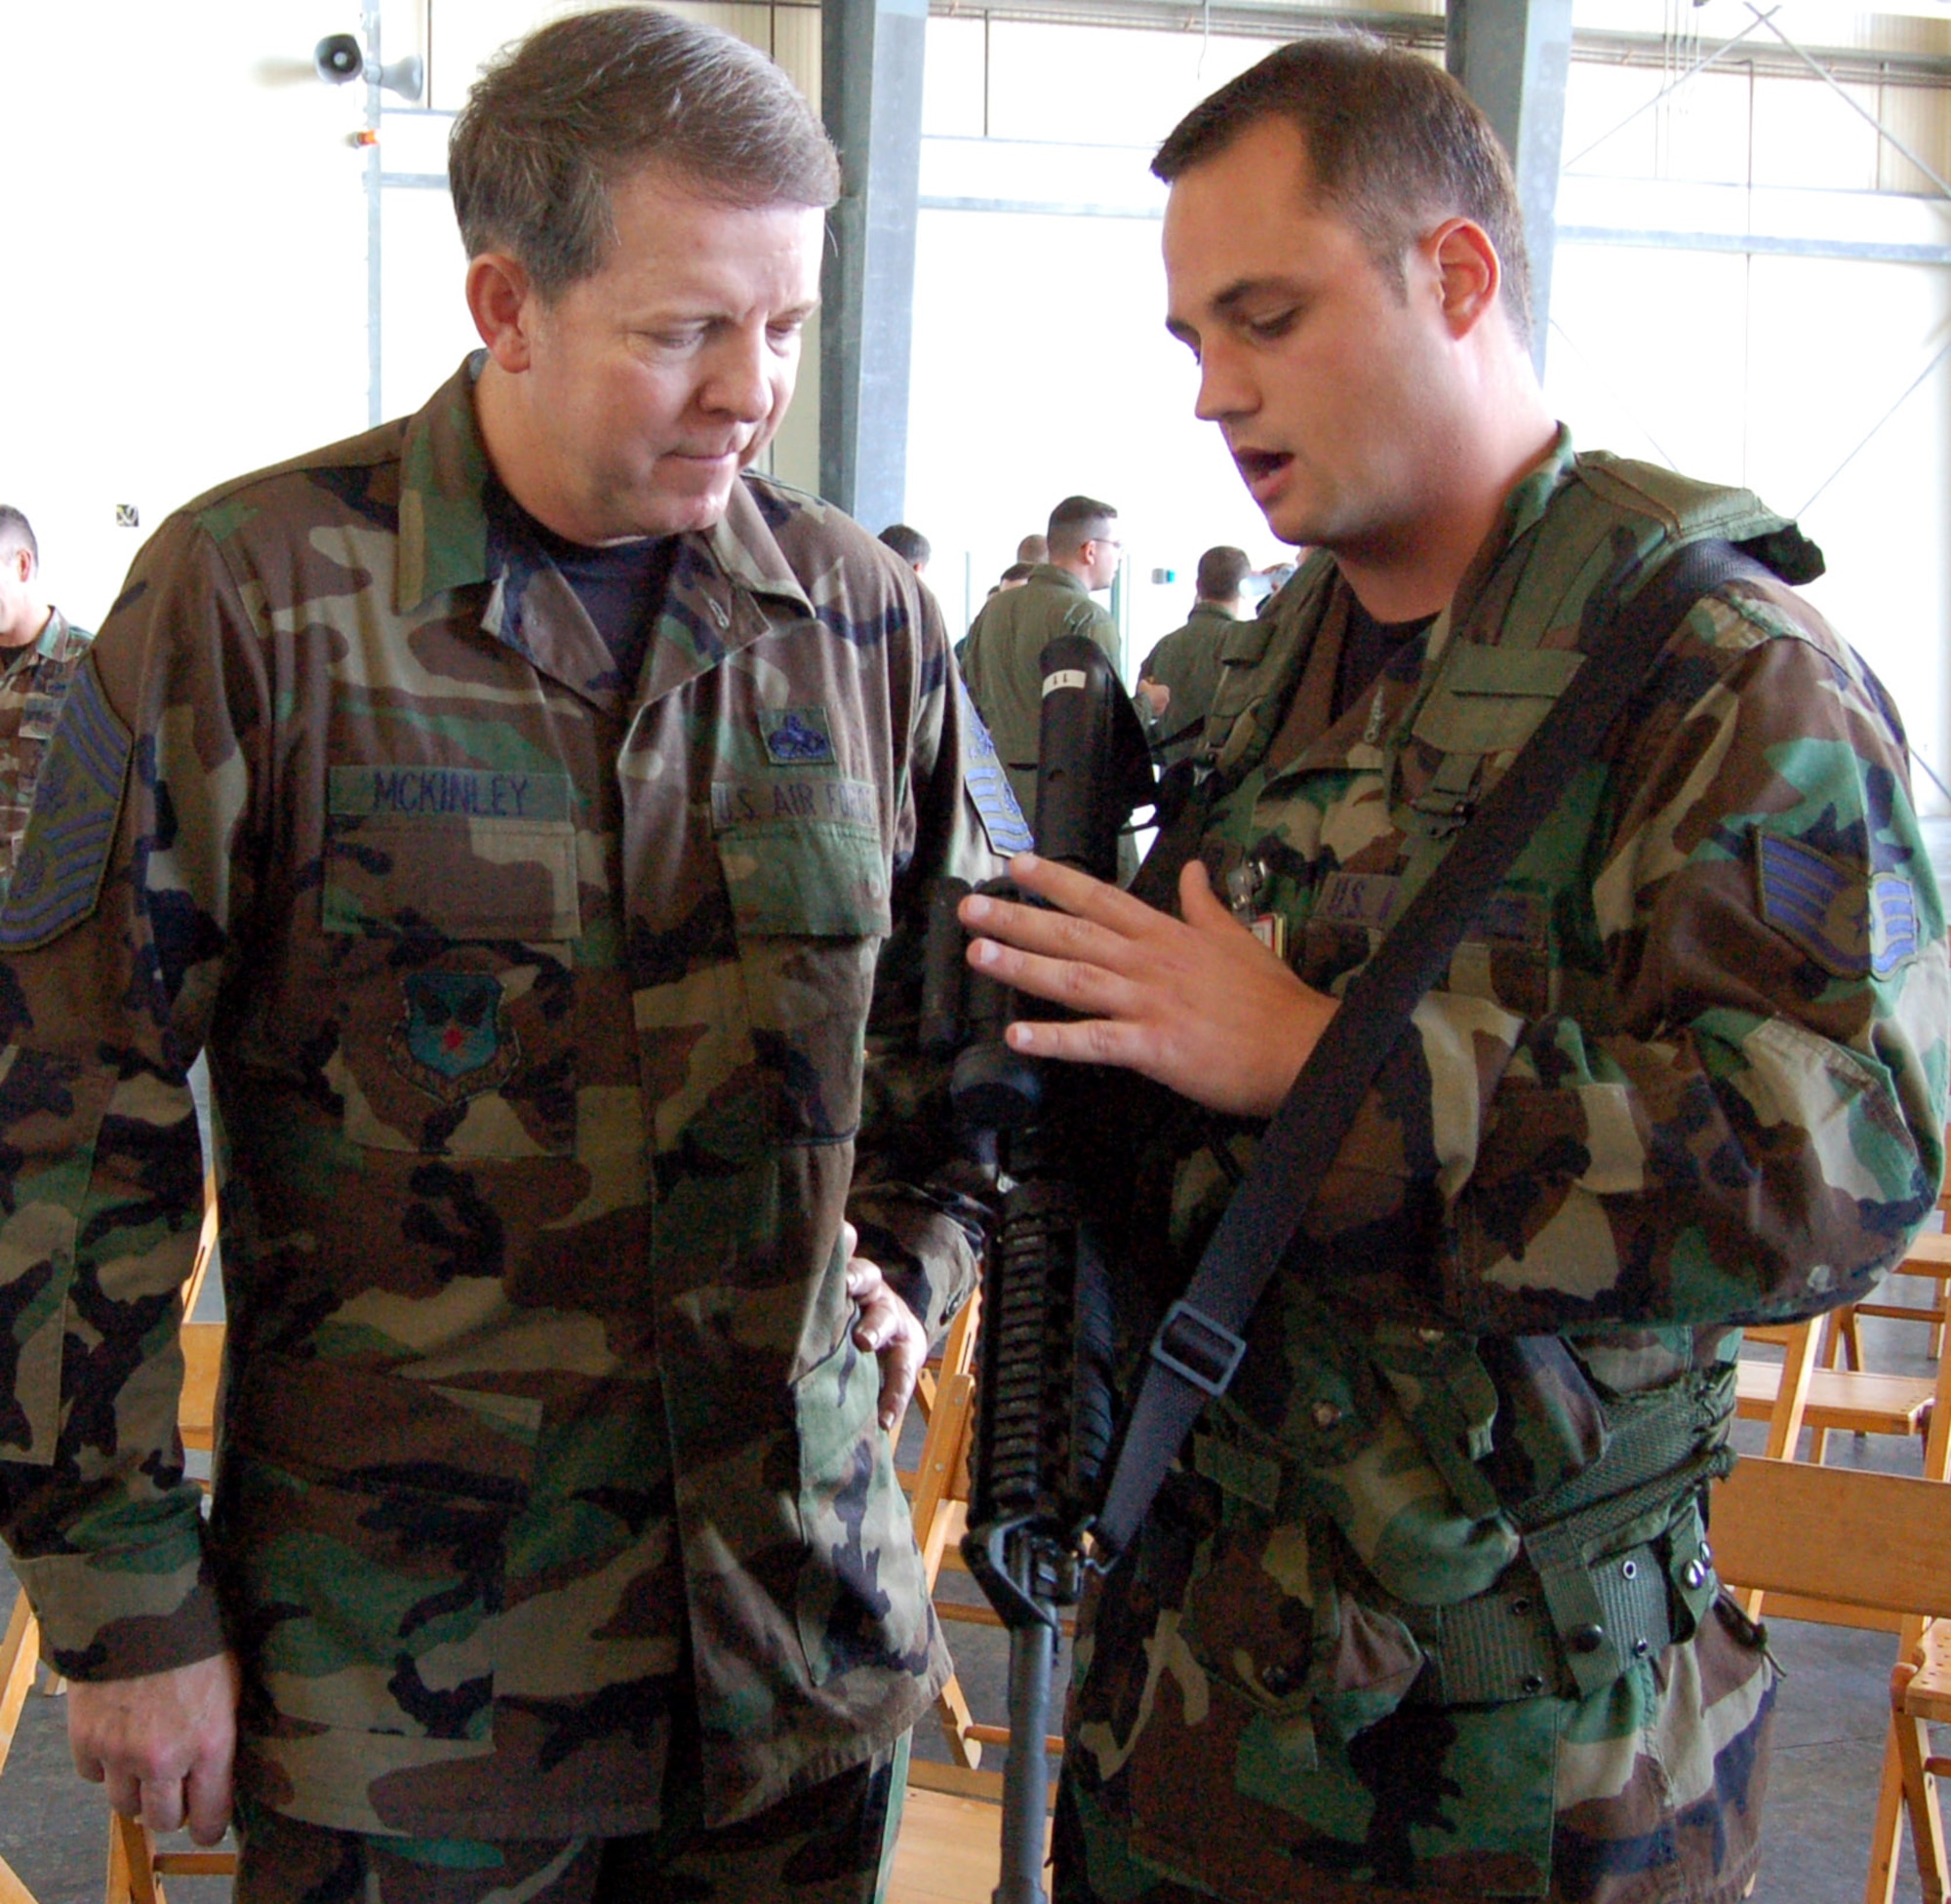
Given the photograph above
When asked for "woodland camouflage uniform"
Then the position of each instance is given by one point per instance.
(34, 681)
(536, 1011)
(1688, 1070)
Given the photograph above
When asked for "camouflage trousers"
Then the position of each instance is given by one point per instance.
(833, 1844)
(1185, 1780)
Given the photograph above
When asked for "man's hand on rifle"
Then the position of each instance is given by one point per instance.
(887, 1328)
(1198, 1004)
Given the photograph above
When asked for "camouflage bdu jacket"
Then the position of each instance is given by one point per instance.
(1428, 1609)
(536, 1008)
(33, 683)
(1002, 662)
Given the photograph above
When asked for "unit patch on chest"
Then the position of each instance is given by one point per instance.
(797, 737)
(456, 1041)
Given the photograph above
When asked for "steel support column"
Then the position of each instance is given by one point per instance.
(1512, 57)
(870, 84)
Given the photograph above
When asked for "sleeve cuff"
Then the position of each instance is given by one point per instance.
(101, 1620)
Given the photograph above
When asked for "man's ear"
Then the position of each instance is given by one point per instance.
(1468, 274)
(503, 305)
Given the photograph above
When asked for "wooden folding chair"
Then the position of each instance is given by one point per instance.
(1928, 1258)
(1803, 1598)
(1885, 1552)
(939, 1502)
(19, 1655)
(1797, 1393)
(939, 1498)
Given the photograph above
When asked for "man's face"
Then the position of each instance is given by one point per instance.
(1327, 381)
(1100, 559)
(653, 384)
(19, 618)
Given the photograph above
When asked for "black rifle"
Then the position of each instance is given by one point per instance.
(1044, 1421)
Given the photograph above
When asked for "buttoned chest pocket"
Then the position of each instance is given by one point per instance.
(810, 906)
(450, 944)
(41, 709)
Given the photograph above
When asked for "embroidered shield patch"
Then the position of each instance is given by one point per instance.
(796, 737)
(456, 1041)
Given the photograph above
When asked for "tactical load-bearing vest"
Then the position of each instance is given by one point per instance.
(1597, 1557)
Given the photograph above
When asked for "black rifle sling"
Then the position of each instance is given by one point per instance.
(1199, 1345)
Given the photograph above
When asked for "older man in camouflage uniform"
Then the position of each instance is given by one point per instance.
(516, 802)
(1426, 1610)
(40, 650)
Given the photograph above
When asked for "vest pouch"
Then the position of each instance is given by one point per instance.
(1265, 1613)
(1425, 1526)
(1486, 700)
(1552, 1423)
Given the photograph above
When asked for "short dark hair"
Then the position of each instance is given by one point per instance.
(1394, 146)
(1077, 520)
(560, 117)
(910, 545)
(1221, 571)
(1019, 572)
(16, 532)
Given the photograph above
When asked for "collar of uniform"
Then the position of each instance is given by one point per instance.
(1055, 578)
(748, 555)
(50, 643)
(1212, 612)
(711, 608)
(444, 475)
(45, 647)
(1525, 509)
(1528, 501)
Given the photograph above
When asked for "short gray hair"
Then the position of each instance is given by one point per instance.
(560, 117)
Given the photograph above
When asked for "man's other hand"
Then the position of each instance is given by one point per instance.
(162, 1744)
(887, 1328)
(1198, 1004)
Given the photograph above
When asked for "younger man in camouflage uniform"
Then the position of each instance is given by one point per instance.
(40, 650)
(1428, 1610)
(516, 802)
